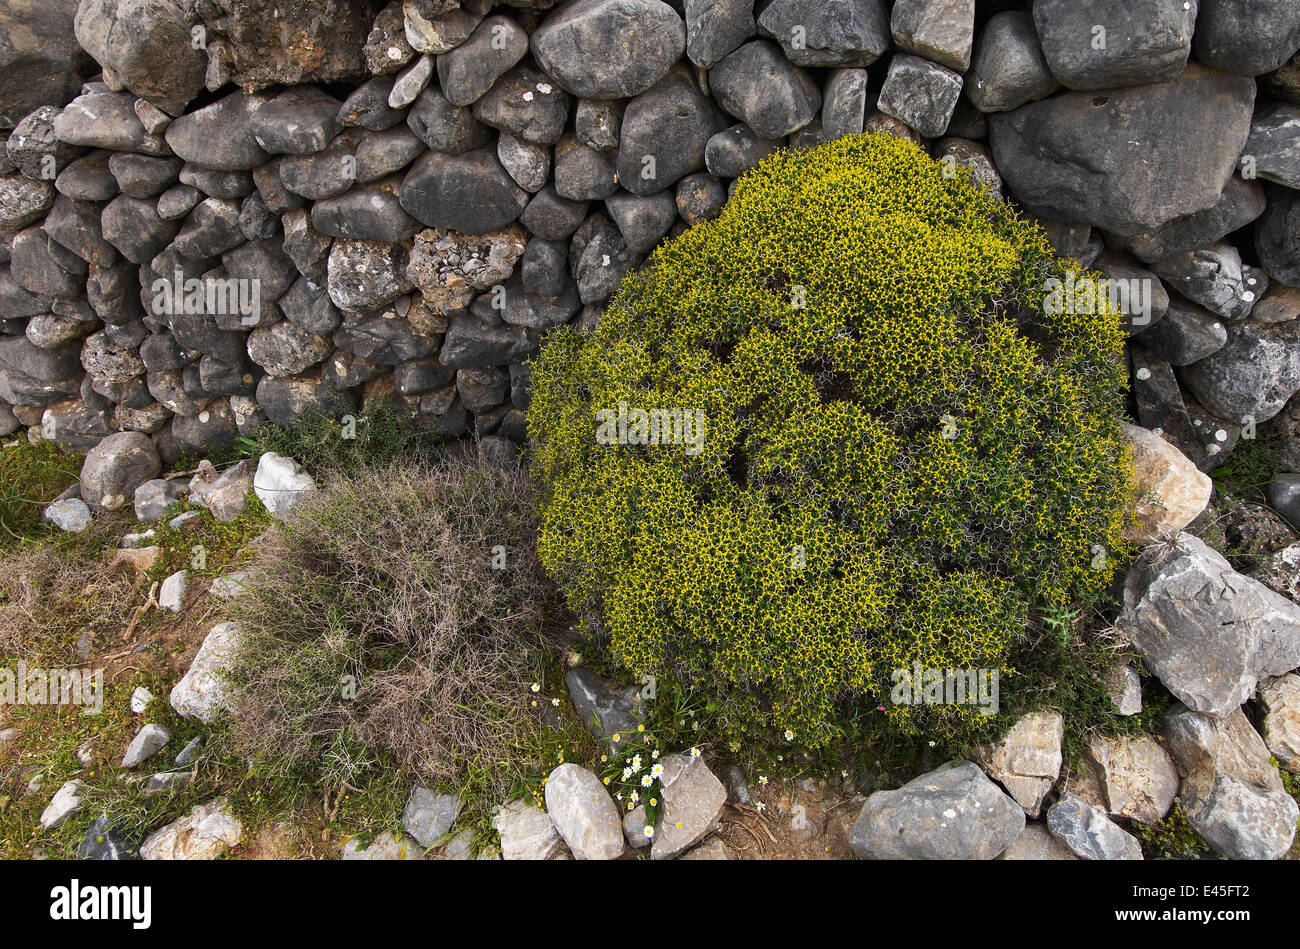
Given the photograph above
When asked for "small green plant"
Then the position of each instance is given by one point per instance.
(377, 436)
(1171, 839)
(837, 431)
(31, 476)
(1248, 470)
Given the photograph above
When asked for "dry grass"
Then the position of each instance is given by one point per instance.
(389, 578)
(51, 593)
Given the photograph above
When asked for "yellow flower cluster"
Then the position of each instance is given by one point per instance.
(904, 453)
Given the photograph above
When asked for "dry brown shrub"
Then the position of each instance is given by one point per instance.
(51, 593)
(389, 577)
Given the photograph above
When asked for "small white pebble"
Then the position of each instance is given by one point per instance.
(528, 96)
(1220, 435)
(1144, 373)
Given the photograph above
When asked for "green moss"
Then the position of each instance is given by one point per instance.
(904, 456)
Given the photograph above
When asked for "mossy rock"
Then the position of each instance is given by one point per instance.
(904, 454)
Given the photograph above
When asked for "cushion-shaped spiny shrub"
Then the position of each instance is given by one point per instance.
(903, 452)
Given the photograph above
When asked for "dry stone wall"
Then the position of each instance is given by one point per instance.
(219, 212)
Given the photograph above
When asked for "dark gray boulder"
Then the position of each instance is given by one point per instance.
(1126, 160)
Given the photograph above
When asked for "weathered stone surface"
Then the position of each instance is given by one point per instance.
(1172, 492)
(220, 136)
(429, 816)
(207, 832)
(1208, 632)
(102, 842)
(1037, 843)
(1253, 375)
(1145, 41)
(1248, 37)
(1087, 832)
(716, 27)
(365, 274)
(468, 71)
(1008, 68)
(664, 134)
(281, 483)
(834, 33)
(941, 31)
(603, 706)
(1211, 276)
(1277, 236)
(584, 813)
(41, 62)
(609, 49)
(920, 93)
(299, 121)
(530, 105)
(449, 267)
(1280, 698)
(1232, 794)
(115, 467)
(527, 832)
(470, 193)
(203, 692)
(693, 799)
(147, 742)
(1136, 775)
(1240, 203)
(67, 801)
(758, 85)
(954, 812)
(386, 846)
(1126, 160)
(1027, 759)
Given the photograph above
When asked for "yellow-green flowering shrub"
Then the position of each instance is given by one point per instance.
(902, 453)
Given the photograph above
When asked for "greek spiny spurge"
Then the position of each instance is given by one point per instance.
(832, 434)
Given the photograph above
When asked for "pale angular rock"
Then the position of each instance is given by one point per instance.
(1209, 633)
(203, 692)
(1172, 492)
(171, 594)
(429, 816)
(147, 742)
(70, 514)
(387, 846)
(1137, 776)
(1124, 687)
(693, 799)
(1027, 759)
(1280, 698)
(1037, 843)
(66, 802)
(281, 483)
(1232, 794)
(207, 832)
(527, 832)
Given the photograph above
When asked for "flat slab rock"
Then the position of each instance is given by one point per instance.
(693, 799)
(952, 813)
